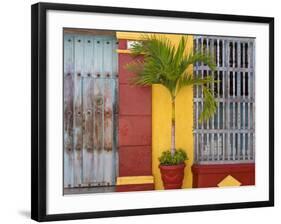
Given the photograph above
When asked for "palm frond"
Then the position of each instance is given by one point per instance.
(188, 80)
(165, 64)
(180, 52)
(209, 105)
(206, 58)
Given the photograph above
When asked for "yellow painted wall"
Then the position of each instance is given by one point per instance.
(161, 118)
(161, 123)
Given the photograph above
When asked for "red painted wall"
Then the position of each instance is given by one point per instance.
(135, 187)
(134, 125)
(212, 175)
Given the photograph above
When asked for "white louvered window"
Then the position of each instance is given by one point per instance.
(229, 136)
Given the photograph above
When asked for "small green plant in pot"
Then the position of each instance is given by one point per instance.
(172, 168)
(167, 65)
(166, 158)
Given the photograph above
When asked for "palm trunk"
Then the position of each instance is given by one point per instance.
(173, 129)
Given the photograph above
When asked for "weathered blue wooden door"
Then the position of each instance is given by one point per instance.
(90, 108)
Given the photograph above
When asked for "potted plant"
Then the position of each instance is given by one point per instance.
(172, 168)
(165, 64)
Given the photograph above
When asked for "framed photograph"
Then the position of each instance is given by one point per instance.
(139, 111)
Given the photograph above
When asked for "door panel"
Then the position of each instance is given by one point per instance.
(68, 110)
(90, 103)
(77, 109)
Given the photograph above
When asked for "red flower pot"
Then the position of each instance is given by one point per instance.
(172, 176)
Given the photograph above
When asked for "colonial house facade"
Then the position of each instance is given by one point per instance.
(114, 132)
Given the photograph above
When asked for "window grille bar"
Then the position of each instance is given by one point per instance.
(230, 100)
(249, 100)
(233, 146)
(233, 104)
(231, 69)
(207, 123)
(253, 90)
(223, 105)
(201, 147)
(214, 74)
(197, 157)
(207, 162)
(206, 131)
(249, 152)
(228, 146)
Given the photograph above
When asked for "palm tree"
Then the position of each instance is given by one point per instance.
(165, 64)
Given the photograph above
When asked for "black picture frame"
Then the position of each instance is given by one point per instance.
(39, 108)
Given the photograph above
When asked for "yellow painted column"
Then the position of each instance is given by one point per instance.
(161, 123)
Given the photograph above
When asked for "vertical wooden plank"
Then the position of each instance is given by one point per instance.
(88, 156)
(78, 116)
(108, 131)
(68, 109)
(98, 112)
(95, 68)
(98, 129)
(115, 107)
(108, 113)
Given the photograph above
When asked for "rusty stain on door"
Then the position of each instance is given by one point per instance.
(90, 108)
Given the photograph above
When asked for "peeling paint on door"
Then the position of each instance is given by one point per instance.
(90, 93)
